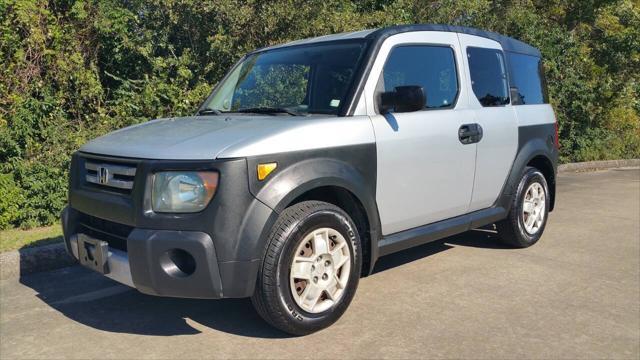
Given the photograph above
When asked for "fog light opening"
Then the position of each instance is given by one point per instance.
(178, 263)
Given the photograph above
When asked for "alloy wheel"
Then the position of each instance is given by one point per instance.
(320, 270)
(533, 208)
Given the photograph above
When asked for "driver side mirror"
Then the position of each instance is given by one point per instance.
(403, 99)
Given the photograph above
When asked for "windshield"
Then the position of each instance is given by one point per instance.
(294, 80)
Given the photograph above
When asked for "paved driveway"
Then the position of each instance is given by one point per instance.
(576, 294)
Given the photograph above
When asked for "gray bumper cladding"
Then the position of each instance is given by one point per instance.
(163, 263)
(156, 262)
(174, 263)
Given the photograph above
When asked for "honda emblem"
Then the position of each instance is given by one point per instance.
(103, 175)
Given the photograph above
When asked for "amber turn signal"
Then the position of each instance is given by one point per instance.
(265, 169)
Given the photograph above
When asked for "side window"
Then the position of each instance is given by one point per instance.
(488, 76)
(432, 67)
(527, 77)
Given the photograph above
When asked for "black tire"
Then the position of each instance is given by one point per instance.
(512, 230)
(272, 298)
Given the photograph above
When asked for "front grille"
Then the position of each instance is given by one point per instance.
(113, 233)
(111, 175)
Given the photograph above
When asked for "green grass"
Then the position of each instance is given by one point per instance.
(14, 239)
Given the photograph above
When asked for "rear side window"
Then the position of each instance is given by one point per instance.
(528, 77)
(488, 76)
(432, 67)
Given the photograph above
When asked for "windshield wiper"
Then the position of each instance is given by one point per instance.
(269, 110)
(209, 112)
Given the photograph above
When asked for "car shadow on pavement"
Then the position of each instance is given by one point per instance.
(480, 238)
(103, 304)
(486, 238)
(98, 302)
(409, 255)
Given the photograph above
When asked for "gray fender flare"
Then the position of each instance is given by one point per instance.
(301, 177)
(531, 149)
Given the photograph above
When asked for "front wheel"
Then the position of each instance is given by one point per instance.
(311, 269)
(527, 218)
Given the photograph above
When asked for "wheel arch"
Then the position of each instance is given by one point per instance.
(333, 181)
(536, 152)
(353, 206)
(544, 164)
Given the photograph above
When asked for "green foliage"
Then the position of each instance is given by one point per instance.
(10, 201)
(74, 69)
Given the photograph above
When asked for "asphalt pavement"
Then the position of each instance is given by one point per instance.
(575, 294)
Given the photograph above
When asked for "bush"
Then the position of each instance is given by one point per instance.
(10, 202)
(75, 69)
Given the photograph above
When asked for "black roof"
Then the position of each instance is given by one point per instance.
(379, 35)
(507, 43)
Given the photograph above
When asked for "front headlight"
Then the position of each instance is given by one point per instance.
(183, 191)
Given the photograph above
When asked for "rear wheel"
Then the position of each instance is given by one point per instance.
(527, 218)
(311, 268)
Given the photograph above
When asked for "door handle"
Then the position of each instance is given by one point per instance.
(470, 133)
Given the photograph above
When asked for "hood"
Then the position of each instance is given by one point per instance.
(187, 138)
(228, 136)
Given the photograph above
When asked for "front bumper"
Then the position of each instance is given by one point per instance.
(117, 261)
(148, 265)
(222, 245)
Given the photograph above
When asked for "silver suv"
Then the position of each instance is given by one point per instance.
(312, 159)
